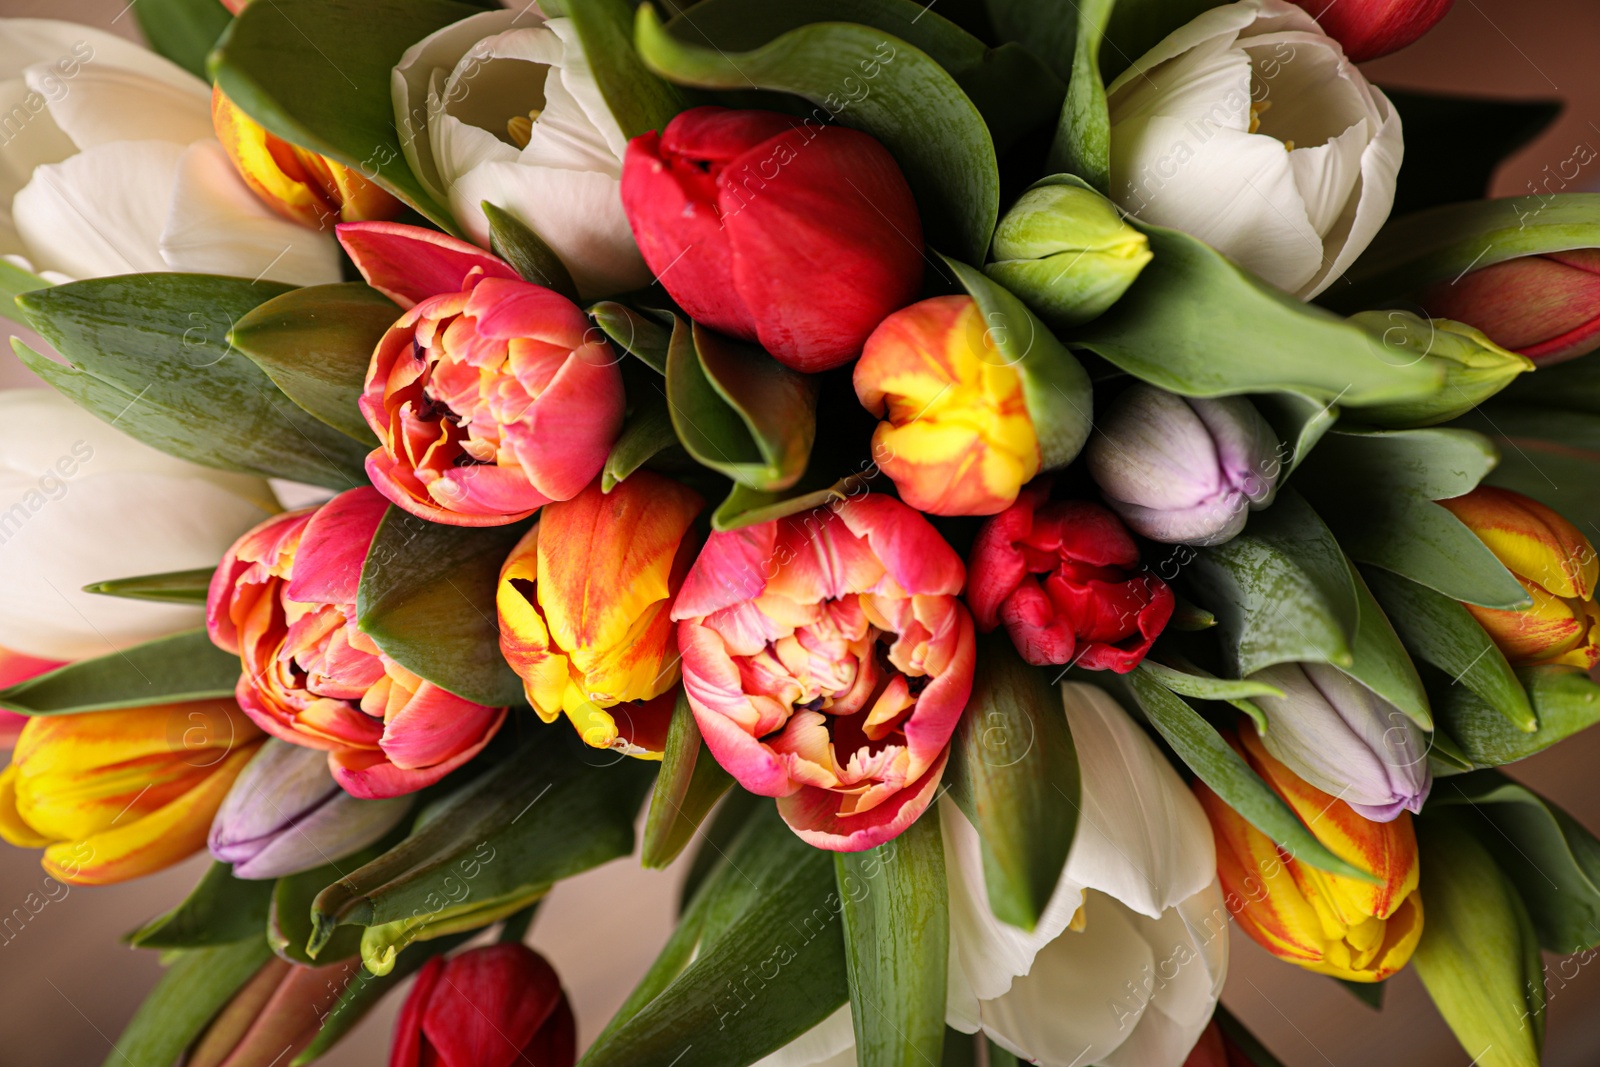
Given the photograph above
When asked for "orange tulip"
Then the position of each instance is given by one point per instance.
(1556, 565)
(113, 795)
(298, 184)
(1326, 923)
(584, 601)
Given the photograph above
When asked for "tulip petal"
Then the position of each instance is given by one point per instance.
(100, 212)
(408, 264)
(813, 814)
(830, 1043)
(333, 548)
(106, 104)
(911, 550)
(487, 1006)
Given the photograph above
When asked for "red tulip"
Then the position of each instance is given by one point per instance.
(799, 236)
(1367, 29)
(16, 667)
(1545, 307)
(1063, 576)
(496, 1006)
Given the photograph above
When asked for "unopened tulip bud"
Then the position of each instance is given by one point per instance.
(1545, 307)
(1345, 739)
(496, 1004)
(1555, 564)
(1475, 368)
(1067, 252)
(1184, 470)
(286, 814)
(273, 1016)
(1371, 28)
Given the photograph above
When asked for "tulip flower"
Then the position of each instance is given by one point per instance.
(801, 237)
(286, 814)
(1545, 307)
(1327, 923)
(1474, 367)
(284, 600)
(1555, 564)
(827, 661)
(1345, 740)
(1183, 470)
(273, 1016)
(1067, 252)
(1367, 29)
(1249, 129)
(584, 603)
(957, 437)
(114, 795)
(502, 106)
(109, 166)
(14, 668)
(66, 478)
(490, 396)
(1064, 578)
(499, 1004)
(298, 184)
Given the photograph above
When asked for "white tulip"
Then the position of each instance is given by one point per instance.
(80, 502)
(503, 107)
(1249, 129)
(108, 165)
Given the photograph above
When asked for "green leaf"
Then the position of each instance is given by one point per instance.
(182, 30)
(1552, 860)
(196, 986)
(1479, 956)
(1205, 687)
(537, 262)
(1548, 453)
(638, 99)
(1083, 137)
(1564, 702)
(689, 783)
(716, 837)
(1299, 421)
(647, 431)
(893, 91)
(1196, 324)
(1216, 764)
(15, 281)
(769, 915)
(1139, 25)
(897, 943)
(1437, 125)
(152, 357)
(1014, 772)
(316, 344)
(168, 670)
(1440, 631)
(218, 910)
(174, 587)
(1381, 663)
(1254, 1051)
(427, 599)
(746, 507)
(1054, 384)
(635, 333)
(382, 945)
(289, 925)
(739, 411)
(1046, 27)
(316, 73)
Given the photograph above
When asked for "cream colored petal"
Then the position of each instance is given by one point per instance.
(565, 137)
(106, 104)
(29, 138)
(579, 80)
(1209, 84)
(830, 1043)
(1369, 206)
(1327, 175)
(99, 212)
(459, 147)
(1224, 23)
(71, 47)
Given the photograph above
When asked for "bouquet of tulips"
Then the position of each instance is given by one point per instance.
(1011, 488)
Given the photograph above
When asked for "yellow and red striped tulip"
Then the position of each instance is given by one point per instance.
(113, 795)
(1555, 564)
(298, 184)
(1327, 923)
(957, 437)
(584, 602)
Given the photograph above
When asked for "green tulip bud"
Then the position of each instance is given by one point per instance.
(1475, 368)
(1066, 251)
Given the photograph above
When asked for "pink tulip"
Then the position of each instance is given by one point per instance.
(827, 661)
(490, 396)
(1367, 29)
(284, 599)
(16, 667)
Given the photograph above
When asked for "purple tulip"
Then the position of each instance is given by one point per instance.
(285, 814)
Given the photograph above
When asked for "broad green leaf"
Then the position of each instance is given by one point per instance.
(196, 986)
(182, 30)
(427, 599)
(638, 99)
(739, 411)
(155, 351)
(689, 783)
(1299, 421)
(1139, 25)
(871, 81)
(1440, 631)
(1552, 860)
(1014, 773)
(744, 506)
(648, 431)
(634, 332)
(1083, 136)
(1437, 171)
(168, 670)
(1205, 687)
(219, 909)
(1045, 27)
(13, 282)
(716, 837)
(897, 943)
(1196, 324)
(1380, 661)
(527, 253)
(316, 73)
(1564, 701)
(316, 344)
(1479, 955)
(1549, 454)
(382, 945)
(289, 925)
(174, 587)
(1216, 764)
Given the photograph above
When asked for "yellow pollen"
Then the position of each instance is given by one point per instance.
(520, 127)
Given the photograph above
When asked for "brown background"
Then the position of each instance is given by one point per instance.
(67, 986)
